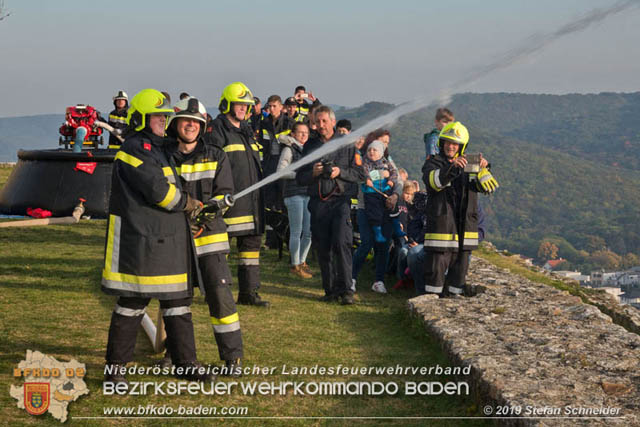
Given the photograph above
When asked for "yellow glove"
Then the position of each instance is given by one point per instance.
(487, 181)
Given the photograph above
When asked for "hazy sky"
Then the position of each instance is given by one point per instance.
(59, 53)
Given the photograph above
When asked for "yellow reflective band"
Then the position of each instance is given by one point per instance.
(145, 280)
(167, 171)
(226, 320)
(284, 132)
(233, 147)
(255, 147)
(432, 180)
(112, 147)
(249, 255)
(214, 238)
(219, 197)
(128, 159)
(197, 167)
(443, 236)
(238, 219)
(118, 118)
(440, 236)
(108, 257)
(171, 194)
(265, 132)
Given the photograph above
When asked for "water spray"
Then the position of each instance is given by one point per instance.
(528, 47)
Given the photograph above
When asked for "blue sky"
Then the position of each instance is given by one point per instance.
(58, 53)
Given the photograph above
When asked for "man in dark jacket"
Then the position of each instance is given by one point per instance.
(205, 174)
(245, 220)
(118, 117)
(149, 251)
(331, 184)
(452, 211)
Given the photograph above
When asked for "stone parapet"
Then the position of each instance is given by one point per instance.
(533, 347)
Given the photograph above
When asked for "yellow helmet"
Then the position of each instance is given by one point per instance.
(455, 132)
(147, 101)
(235, 92)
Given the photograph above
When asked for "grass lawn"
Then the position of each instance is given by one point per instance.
(51, 302)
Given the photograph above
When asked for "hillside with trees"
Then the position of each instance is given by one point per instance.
(568, 167)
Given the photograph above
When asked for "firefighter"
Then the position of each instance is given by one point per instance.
(245, 220)
(291, 110)
(331, 184)
(206, 174)
(149, 251)
(452, 211)
(301, 96)
(118, 117)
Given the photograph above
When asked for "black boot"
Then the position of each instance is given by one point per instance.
(252, 299)
(347, 299)
(194, 371)
(233, 368)
(115, 376)
(165, 362)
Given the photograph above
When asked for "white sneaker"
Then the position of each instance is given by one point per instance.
(379, 287)
(353, 285)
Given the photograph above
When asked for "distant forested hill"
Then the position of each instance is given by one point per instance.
(29, 132)
(568, 166)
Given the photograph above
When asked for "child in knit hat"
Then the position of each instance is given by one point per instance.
(381, 178)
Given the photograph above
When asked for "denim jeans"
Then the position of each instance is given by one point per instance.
(381, 250)
(402, 253)
(299, 228)
(415, 261)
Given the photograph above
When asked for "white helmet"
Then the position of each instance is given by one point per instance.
(121, 95)
(192, 108)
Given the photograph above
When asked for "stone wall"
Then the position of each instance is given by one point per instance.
(533, 347)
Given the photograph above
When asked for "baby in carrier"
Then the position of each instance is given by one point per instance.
(382, 177)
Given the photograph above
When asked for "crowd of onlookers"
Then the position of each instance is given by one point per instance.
(388, 212)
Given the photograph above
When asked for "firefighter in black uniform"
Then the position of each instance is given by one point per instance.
(331, 183)
(206, 174)
(149, 250)
(273, 127)
(118, 117)
(245, 220)
(452, 211)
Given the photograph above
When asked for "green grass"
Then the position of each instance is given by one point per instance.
(51, 302)
(507, 262)
(5, 171)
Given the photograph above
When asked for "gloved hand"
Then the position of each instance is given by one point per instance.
(196, 229)
(193, 207)
(487, 181)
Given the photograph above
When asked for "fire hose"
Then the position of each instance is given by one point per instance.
(73, 219)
